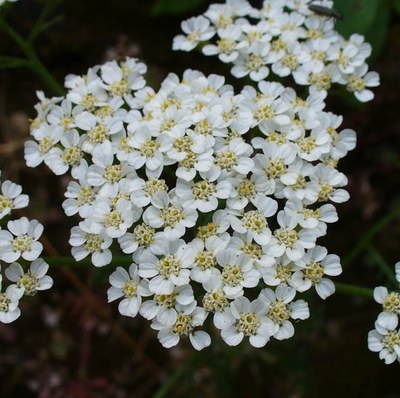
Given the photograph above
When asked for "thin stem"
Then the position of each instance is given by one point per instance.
(383, 265)
(351, 290)
(366, 239)
(33, 60)
(40, 22)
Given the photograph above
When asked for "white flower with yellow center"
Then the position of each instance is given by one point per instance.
(247, 190)
(187, 320)
(254, 223)
(11, 197)
(386, 341)
(232, 158)
(280, 272)
(80, 198)
(114, 220)
(314, 145)
(388, 318)
(96, 245)
(343, 141)
(274, 161)
(259, 254)
(202, 195)
(314, 266)
(291, 242)
(237, 272)
(120, 80)
(70, 156)
(281, 308)
(168, 267)
(168, 213)
(163, 307)
(296, 184)
(21, 240)
(205, 261)
(62, 115)
(226, 46)
(252, 61)
(196, 29)
(247, 319)
(33, 280)
(9, 301)
(149, 149)
(87, 91)
(327, 181)
(47, 137)
(129, 286)
(310, 218)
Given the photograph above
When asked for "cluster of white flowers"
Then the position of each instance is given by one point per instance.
(19, 242)
(218, 197)
(284, 36)
(385, 338)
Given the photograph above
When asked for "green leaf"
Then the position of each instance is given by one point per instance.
(358, 15)
(377, 33)
(396, 5)
(173, 7)
(12, 62)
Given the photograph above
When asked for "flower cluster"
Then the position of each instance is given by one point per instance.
(284, 36)
(218, 197)
(19, 242)
(385, 338)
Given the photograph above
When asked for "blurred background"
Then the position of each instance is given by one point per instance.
(69, 343)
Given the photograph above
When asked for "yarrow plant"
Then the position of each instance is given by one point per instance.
(20, 248)
(216, 196)
(213, 194)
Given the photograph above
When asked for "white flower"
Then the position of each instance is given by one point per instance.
(9, 300)
(187, 319)
(205, 261)
(21, 240)
(165, 307)
(202, 195)
(47, 137)
(386, 341)
(281, 307)
(314, 266)
(245, 318)
(170, 269)
(291, 242)
(197, 29)
(237, 272)
(11, 197)
(129, 286)
(360, 80)
(33, 280)
(97, 245)
(388, 318)
(60, 160)
(168, 213)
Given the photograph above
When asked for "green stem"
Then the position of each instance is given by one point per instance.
(40, 23)
(383, 265)
(351, 290)
(33, 60)
(366, 239)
